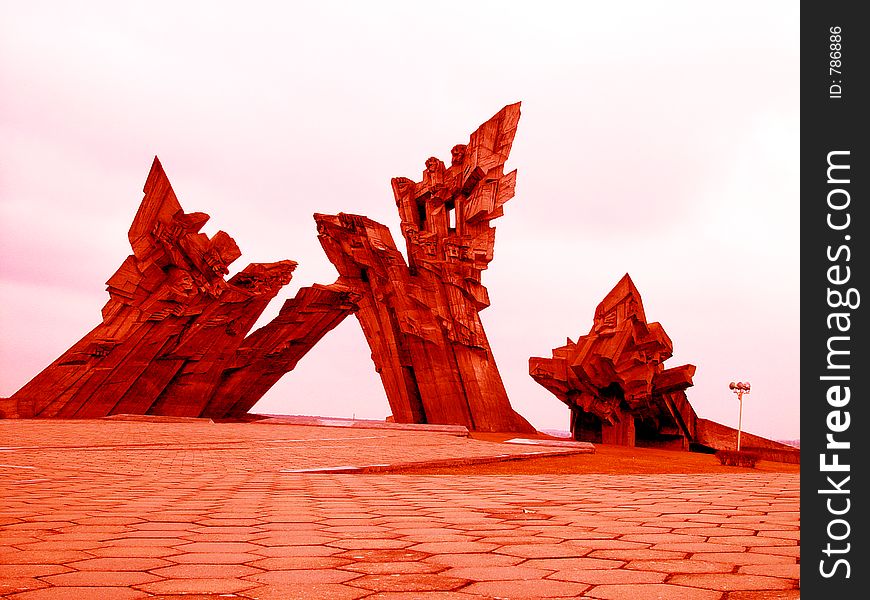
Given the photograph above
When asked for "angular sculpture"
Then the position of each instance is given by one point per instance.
(614, 381)
(172, 341)
(421, 318)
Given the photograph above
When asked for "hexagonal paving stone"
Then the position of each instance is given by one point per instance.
(772, 595)
(133, 552)
(527, 589)
(477, 559)
(743, 558)
(278, 551)
(375, 568)
(91, 593)
(100, 578)
(408, 582)
(204, 571)
(30, 570)
(453, 547)
(794, 551)
(729, 581)
(42, 557)
(789, 571)
(405, 554)
(680, 566)
(15, 585)
(555, 551)
(326, 591)
(212, 585)
(608, 576)
(638, 554)
(119, 564)
(659, 591)
(561, 564)
(459, 595)
(496, 573)
(303, 576)
(217, 547)
(287, 563)
(369, 544)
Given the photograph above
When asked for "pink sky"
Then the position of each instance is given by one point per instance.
(658, 139)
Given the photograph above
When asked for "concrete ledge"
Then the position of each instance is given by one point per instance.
(152, 419)
(587, 447)
(457, 430)
(446, 462)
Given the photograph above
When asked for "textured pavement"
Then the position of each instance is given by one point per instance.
(112, 509)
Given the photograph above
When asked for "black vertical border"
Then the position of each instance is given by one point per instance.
(834, 124)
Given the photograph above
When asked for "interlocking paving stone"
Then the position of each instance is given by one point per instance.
(474, 560)
(382, 555)
(218, 547)
(91, 593)
(496, 573)
(700, 529)
(777, 550)
(304, 550)
(638, 554)
(559, 564)
(772, 595)
(216, 558)
(284, 563)
(743, 558)
(680, 566)
(367, 544)
(426, 596)
(41, 557)
(659, 591)
(698, 547)
(604, 576)
(118, 564)
(401, 582)
(372, 568)
(100, 578)
(204, 571)
(729, 581)
(750, 540)
(181, 510)
(518, 588)
(543, 551)
(792, 571)
(299, 591)
(783, 534)
(453, 547)
(211, 585)
(13, 585)
(303, 576)
(590, 545)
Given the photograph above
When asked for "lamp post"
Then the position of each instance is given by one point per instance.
(739, 388)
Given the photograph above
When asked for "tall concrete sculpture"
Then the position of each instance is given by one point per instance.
(421, 319)
(614, 381)
(172, 340)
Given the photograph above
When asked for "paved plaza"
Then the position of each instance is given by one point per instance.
(136, 509)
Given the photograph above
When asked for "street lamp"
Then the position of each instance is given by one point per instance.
(739, 388)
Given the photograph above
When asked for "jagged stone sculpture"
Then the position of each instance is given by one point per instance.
(421, 318)
(172, 341)
(614, 381)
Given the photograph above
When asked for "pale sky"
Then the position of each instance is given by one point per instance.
(658, 139)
